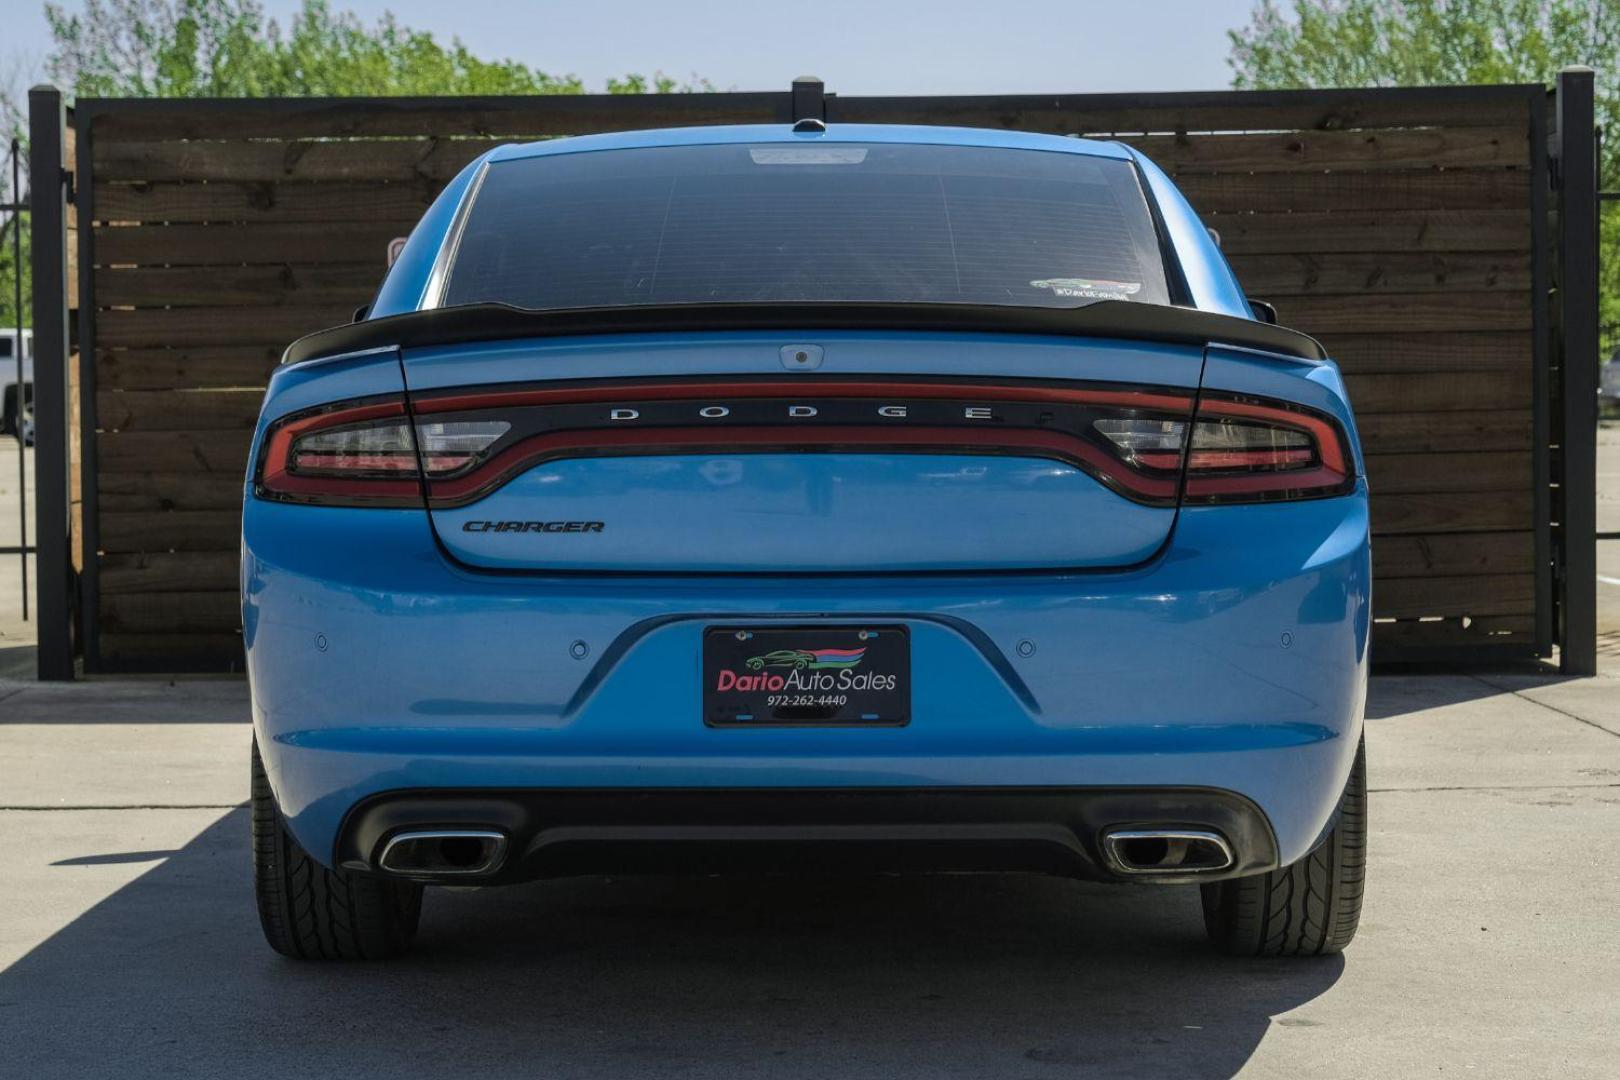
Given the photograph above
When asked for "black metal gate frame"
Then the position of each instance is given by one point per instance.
(1563, 164)
(48, 195)
(1574, 153)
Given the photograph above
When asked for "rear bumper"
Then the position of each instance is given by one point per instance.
(560, 832)
(1235, 660)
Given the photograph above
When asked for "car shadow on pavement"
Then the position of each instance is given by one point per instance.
(18, 661)
(1397, 691)
(649, 977)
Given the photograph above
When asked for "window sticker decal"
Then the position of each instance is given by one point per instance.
(1089, 288)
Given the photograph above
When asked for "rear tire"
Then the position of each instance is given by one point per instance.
(311, 913)
(1311, 908)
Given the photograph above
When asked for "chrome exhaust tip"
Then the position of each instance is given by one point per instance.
(1145, 852)
(443, 852)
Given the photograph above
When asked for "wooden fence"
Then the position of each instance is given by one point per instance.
(1406, 229)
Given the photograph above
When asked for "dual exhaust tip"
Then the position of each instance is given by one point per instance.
(1131, 852)
(1167, 852)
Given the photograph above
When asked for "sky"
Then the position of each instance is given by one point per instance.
(856, 46)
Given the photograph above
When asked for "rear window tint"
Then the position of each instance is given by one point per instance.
(808, 222)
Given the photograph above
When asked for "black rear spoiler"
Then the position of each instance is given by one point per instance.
(1105, 318)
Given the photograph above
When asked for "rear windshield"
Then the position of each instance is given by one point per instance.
(808, 222)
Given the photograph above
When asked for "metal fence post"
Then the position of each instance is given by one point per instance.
(48, 208)
(1578, 300)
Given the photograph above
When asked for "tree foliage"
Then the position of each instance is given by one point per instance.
(13, 126)
(8, 223)
(230, 48)
(1321, 43)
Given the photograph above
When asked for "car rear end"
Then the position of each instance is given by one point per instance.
(879, 498)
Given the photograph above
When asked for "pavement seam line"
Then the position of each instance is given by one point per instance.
(131, 806)
(1551, 708)
(1493, 787)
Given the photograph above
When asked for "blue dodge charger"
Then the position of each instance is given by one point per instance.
(811, 499)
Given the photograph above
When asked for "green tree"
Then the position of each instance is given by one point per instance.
(12, 126)
(1319, 43)
(229, 48)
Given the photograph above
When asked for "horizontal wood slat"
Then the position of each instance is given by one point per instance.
(144, 327)
(173, 451)
(1366, 274)
(1474, 595)
(169, 572)
(227, 202)
(239, 286)
(1450, 511)
(153, 490)
(351, 160)
(1312, 151)
(1216, 111)
(1391, 229)
(1407, 474)
(177, 410)
(1269, 110)
(1418, 312)
(220, 651)
(1397, 392)
(1464, 352)
(203, 367)
(1395, 433)
(511, 116)
(362, 243)
(1475, 633)
(1452, 555)
(156, 612)
(180, 530)
(1341, 192)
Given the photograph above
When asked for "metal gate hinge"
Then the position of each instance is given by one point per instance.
(67, 182)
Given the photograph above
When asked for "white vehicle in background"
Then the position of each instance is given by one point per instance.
(1609, 386)
(17, 406)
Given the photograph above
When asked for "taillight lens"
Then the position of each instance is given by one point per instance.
(449, 449)
(1251, 450)
(361, 451)
(1145, 442)
(364, 455)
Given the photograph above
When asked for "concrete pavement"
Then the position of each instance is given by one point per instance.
(1489, 946)
(129, 948)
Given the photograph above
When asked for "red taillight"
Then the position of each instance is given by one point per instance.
(366, 455)
(350, 454)
(1249, 450)
(1136, 441)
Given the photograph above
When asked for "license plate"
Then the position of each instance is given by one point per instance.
(821, 676)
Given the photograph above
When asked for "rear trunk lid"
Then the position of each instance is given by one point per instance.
(843, 452)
